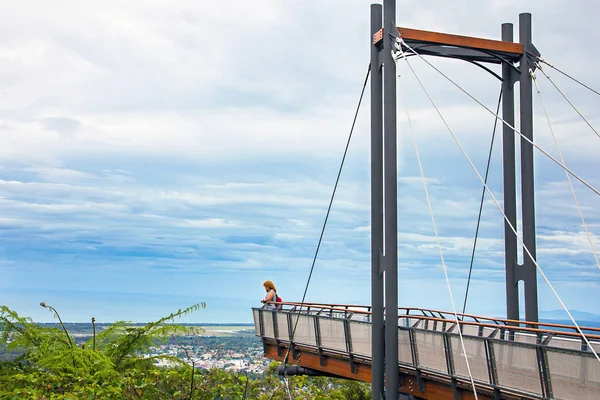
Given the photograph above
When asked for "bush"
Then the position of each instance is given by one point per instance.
(111, 365)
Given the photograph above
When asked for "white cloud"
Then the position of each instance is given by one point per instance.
(204, 138)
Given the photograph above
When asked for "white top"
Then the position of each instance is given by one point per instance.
(270, 306)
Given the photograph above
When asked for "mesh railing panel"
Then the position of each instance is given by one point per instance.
(471, 330)
(517, 367)
(360, 317)
(283, 331)
(332, 333)
(439, 326)
(573, 376)
(430, 350)
(305, 330)
(415, 323)
(596, 347)
(404, 350)
(268, 324)
(526, 338)
(360, 335)
(488, 331)
(592, 371)
(565, 343)
(476, 355)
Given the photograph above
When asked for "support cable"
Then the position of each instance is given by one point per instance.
(437, 237)
(539, 67)
(487, 170)
(568, 76)
(584, 337)
(587, 232)
(400, 43)
(326, 219)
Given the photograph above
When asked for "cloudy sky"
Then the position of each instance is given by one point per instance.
(157, 154)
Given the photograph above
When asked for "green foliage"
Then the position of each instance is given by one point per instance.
(52, 366)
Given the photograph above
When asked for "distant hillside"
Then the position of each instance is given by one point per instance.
(580, 316)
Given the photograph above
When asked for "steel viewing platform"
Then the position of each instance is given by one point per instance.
(507, 360)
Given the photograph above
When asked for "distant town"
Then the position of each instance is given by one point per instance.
(231, 347)
(225, 346)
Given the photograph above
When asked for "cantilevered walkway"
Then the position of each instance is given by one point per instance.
(507, 359)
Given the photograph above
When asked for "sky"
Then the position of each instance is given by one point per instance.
(159, 154)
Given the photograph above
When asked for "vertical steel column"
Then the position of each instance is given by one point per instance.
(391, 204)
(510, 191)
(527, 193)
(377, 330)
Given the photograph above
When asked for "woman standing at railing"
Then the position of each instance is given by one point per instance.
(271, 295)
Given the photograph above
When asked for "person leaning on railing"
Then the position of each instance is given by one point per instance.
(271, 297)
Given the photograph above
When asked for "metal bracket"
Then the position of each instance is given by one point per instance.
(457, 393)
(420, 380)
(515, 73)
(353, 367)
(497, 394)
(321, 357)
(532, 51)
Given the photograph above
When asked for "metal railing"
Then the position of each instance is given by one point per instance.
(534, 362)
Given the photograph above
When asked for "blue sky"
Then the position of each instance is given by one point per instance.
(157, 156)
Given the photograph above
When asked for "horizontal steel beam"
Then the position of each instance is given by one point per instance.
(341, 367)
(485, 50)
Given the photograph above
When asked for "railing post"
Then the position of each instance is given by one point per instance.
(290, 326)
(291, 333)
(318, 339)
(544, 371)
(450, 364)
(275, 327)
(415, 358)
(491, 364)
(348, 336)
(276, 332)
(448, 351)
(261, 323)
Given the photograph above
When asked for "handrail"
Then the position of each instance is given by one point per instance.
(473, 316)
(511, 328)
(508, 320)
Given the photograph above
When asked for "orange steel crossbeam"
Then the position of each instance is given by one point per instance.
(454, 40)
